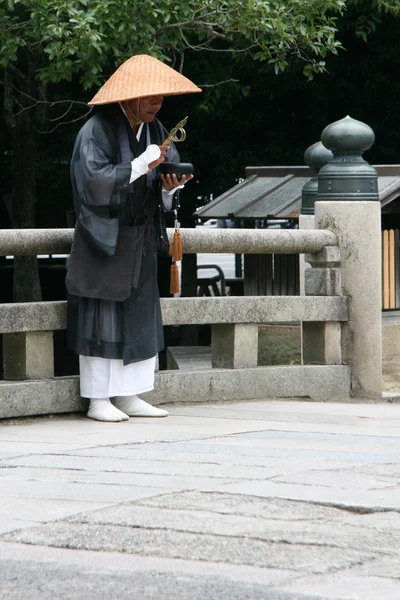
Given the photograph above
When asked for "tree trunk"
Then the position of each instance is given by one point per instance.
(21, 206)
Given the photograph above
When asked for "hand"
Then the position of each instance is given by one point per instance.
(161, 159)
(171, 181)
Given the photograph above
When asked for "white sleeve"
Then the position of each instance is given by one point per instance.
(140, 165)
(167, 199)
(167, 196)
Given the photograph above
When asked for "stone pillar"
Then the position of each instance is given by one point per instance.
(348, 204)
(234, 346)
(321, 341)
(315, 157)
(28, 355)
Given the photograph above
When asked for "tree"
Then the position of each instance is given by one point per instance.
(48, 42)
(262, 119)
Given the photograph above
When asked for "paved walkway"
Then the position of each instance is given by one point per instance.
(273, 500)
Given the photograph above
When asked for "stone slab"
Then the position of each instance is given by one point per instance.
(22, 580)
(328, 522)
(42, 510)
(371, 428)
(122, 480)
(278, 531)
(112, 563)
(384, 521)
(47, 316)
(253, 506)
(390, 469)
(33, 316)
(77, 431)
(177, 544)
(359, 410)
(140, 471)
(296, 411)
(346, 587)
(253, 309)
(162, 454)
(94, 493)
(233, 448)
(318, 382)
(10, 525)
(338, 479)
(343, 442)
(45, 574)
(342, 498)
(191, 455)
(61, 395)
(48, 396)
(192, 358)
(21, 448)
(383, 566)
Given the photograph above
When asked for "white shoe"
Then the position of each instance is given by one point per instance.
(101, 409)
(136, 407)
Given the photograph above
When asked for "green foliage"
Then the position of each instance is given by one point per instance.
(255, 118)
(366, 15)
(89, 38)
(78, 36)
(281, 116)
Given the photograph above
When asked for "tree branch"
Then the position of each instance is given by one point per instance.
(61, 116)
(66, 122)
(195, 22)
(204, 47)
(182, 60)
(211, 85)
(48, 102)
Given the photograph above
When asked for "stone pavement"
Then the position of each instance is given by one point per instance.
(280, 500)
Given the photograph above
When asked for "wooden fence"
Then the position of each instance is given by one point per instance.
(271, 275)
(390, 269)
(277, 275)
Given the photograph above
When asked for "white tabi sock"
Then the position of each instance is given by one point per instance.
(136, 407)
(101, 409)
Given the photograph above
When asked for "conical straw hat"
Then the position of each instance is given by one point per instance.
(141, 76)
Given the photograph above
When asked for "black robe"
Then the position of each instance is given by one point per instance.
(109, 221)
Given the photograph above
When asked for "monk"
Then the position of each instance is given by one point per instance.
(114, 317)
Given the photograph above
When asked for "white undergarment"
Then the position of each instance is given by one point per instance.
(108, 377)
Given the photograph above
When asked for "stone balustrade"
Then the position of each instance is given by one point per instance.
(30, 242)
(339, 310)
(29, 385)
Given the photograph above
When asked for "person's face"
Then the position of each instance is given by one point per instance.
(145, 109)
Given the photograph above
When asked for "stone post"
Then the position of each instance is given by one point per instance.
(28, 355)
(348, 204)
(315, 157)
(321, 341)
(234, 346)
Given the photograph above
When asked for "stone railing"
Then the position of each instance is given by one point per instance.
(29, 385)
(339, 312)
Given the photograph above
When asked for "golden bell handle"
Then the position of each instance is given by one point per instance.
(173, 134)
